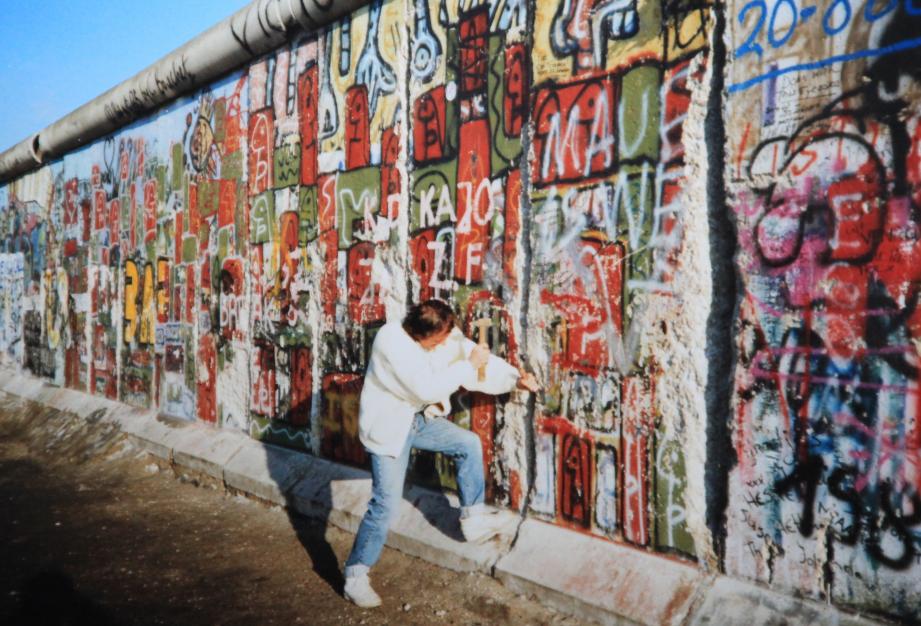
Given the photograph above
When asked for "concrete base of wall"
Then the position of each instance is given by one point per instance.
(588, 576)
(728, 600)
(576, 573)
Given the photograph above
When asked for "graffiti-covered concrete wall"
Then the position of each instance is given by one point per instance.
(230, 258)
(583, 175)
(823, 171)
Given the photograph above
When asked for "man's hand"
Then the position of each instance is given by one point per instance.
(479, 357)
(528, 381)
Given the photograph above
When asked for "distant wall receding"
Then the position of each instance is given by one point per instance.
(548, 165)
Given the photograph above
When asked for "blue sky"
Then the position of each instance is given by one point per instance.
(56, 55)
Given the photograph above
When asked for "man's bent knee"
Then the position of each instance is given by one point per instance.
(470, 445)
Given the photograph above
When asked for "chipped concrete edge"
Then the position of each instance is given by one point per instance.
(161, 436)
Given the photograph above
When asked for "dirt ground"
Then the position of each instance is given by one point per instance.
(95, 532)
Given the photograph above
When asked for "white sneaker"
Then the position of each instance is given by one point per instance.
(483, 526)
(358, 591)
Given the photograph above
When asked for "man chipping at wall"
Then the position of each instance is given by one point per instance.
(414, 368)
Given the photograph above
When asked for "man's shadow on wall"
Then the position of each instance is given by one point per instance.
(330, 493)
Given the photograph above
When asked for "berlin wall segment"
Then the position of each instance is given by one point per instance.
(230, 258)
(823, 178)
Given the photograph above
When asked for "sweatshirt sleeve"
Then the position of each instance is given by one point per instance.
(500, 377)
(417, 377)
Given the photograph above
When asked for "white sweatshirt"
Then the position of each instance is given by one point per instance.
(403, 379)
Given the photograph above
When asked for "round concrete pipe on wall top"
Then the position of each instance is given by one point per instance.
(19, 159)
(36, 150)
(247, 34)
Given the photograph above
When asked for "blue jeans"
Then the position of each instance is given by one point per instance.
(389, 473)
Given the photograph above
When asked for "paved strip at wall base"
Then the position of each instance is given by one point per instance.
(267, 472)
(728, 600)
(583, 575)
(587, 576)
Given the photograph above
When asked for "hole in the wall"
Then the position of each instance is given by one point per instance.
(36, 149)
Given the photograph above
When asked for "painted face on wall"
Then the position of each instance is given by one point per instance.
(201, 143)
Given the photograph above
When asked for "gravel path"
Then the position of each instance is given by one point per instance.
(96, 532)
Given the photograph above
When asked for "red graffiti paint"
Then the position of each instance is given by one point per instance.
(357, 128)
(483, 424)
(133, 221)
(517, 85)
(846, 290)
(329, 244)
(390, 174)
(264, 397)
(475, 205)
(232, 117)
(100, 214)
(261, 146)
(163, 290)
(231, 299)
(307, 97)
(581, 332)
(512, 228)
(86, 213)
(288, 257)
(429, 126)
(115, 210)
(227, 204)
(514, 490)
(473, 50)
(341, 393)
(189, 312)
(858, 215)
(635, 440)
(365, 305)
(193, 214)
(607, 262)
(150, 210)
(574, 471)
(805, 160)
(423, 258)
(574, 500)
(670, 220)
(677, 103)
(72, 378)
(256, 257)
(204, 262)
(301, 387)
(71, 192)
(178, 232)
(139, 156)
(575, 138)
(206, 379)
(124, 163)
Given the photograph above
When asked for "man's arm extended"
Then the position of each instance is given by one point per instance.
(501, 377)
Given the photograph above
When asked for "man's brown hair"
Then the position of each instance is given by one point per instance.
(429, 318)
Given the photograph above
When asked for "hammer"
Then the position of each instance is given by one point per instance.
(482, 324)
